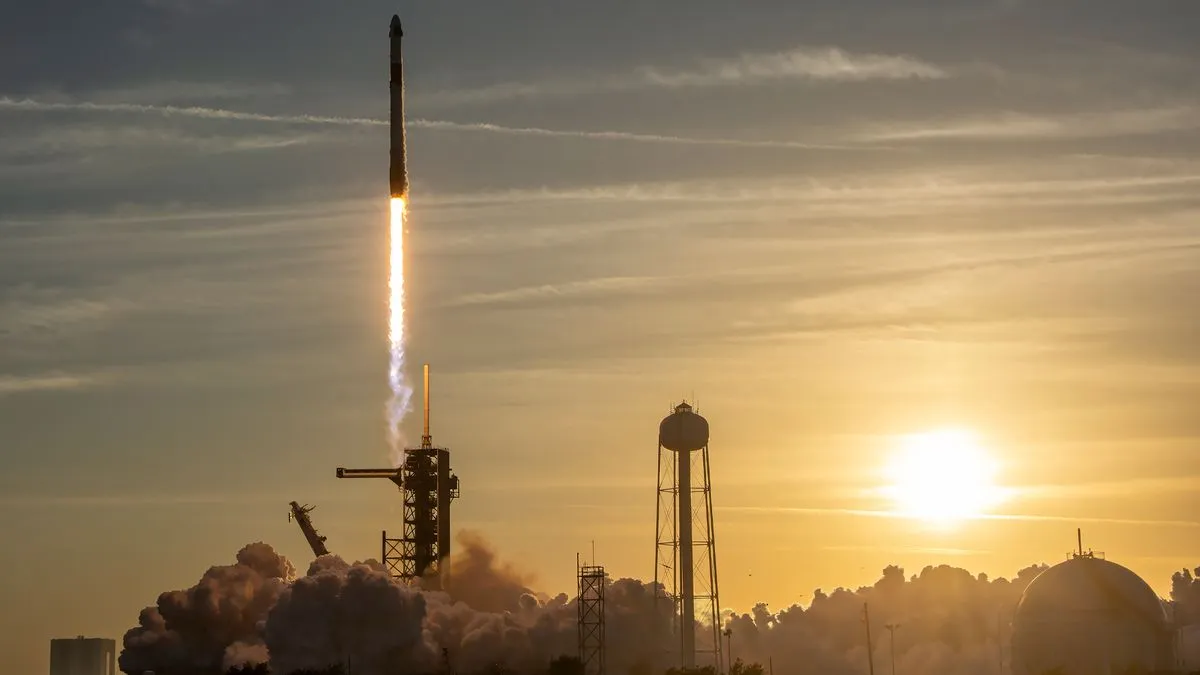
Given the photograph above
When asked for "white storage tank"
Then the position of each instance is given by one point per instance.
(1089, 616)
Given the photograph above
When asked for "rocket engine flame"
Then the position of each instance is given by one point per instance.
(402, 391)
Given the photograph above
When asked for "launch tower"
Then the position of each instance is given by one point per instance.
(685, 556)
(427, 486)
(591, 618)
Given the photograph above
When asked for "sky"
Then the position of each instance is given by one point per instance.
(831, 224)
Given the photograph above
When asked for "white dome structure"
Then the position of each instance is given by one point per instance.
(1089, 616)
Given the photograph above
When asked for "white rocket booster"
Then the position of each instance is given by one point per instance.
(398, 170)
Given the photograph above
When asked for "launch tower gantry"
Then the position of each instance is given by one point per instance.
(427, 486)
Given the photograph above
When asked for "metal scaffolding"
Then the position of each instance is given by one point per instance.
(685, 552)
(591, 618)
(427, 486)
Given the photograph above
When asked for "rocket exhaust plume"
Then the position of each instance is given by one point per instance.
(401, 390)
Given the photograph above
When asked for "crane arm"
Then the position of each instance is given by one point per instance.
(315, 541)
(368, 473)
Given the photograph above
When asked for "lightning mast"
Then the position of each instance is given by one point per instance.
(315, 541)
(426, 486)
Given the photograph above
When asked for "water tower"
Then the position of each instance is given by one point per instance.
(685, 555)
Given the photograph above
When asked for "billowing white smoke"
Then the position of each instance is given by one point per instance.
(354, 614)
(485, 615)
(340, 613)
(213, 625)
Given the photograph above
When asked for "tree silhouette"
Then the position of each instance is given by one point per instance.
(739, 668)
(247, 669)
(565, 665)
(695, 670)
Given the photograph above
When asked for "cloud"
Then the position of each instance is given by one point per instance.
(31, 313)
(624, 136)
(184, 6)
(24, 384)
(813, 64)
(926, 550)
(29, 104)
(93, 137)
(1016, 125)
(199, 112)
(132, 501)
(175, 91)
(828, 63)
(864, 195)
(875, 513)
(1123, 488)
(573, 289)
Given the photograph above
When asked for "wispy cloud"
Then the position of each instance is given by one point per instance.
(96, 137)
(175, 91)
(26, 310)
(23, 384)
(36, 105)
(829, 63)
(26, 104)
(573, 289)
(813, 64)
(872, 513)
(924, 550)
(1015, 125)
(131, 501)
(864, 195)
(1133, 487)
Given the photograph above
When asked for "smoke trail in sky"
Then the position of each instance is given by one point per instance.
(401, 390)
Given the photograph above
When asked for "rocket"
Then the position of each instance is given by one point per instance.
(398, 169)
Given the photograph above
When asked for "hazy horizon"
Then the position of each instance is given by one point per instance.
(833, 224)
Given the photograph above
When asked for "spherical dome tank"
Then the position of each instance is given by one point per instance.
(1089, 616)
(683, 430)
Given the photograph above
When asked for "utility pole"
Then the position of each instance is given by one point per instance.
(870, 648)
(1000, 641)
(891, 627)
(728, 650)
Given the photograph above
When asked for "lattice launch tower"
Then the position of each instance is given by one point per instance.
(427, 486)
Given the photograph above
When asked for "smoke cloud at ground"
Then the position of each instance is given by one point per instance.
(482, 613)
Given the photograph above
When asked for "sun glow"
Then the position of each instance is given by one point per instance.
(401, 390)
(942, 477)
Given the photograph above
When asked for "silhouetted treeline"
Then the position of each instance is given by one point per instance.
(563, 665)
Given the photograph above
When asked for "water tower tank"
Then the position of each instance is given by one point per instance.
(1089, 616)
(683, 430)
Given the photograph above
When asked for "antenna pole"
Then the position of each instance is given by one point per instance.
(426, 438)
(870, 647)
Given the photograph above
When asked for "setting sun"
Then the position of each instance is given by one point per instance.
(942, 477)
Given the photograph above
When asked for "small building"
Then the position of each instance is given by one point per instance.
(83, 656)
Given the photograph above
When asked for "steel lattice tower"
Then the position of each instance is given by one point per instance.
(685, 554)
(591, 619)
(427, 486)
